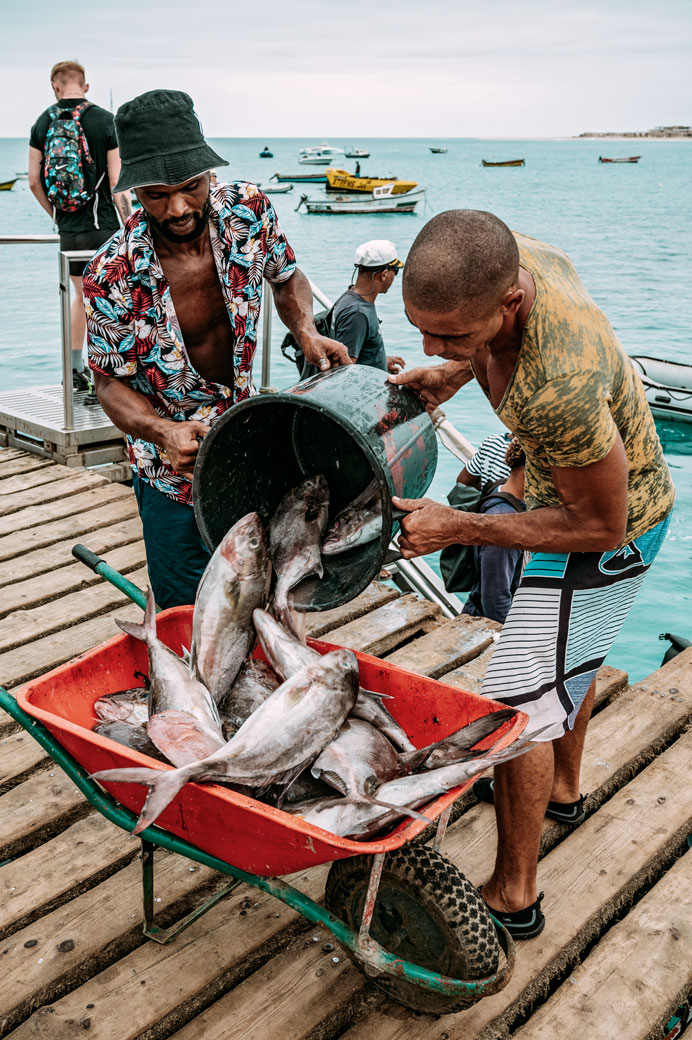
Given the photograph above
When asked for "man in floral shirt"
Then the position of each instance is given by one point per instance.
(173, 301)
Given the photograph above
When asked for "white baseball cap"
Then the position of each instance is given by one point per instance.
(380, 252)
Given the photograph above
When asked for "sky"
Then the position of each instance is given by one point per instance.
(359, 69)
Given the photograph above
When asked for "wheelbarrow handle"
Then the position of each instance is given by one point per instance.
(104, 570)
(87, 557)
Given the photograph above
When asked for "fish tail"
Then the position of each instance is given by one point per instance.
(163, 785)
(147, 631)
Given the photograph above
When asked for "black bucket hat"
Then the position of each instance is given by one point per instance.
(160, 141)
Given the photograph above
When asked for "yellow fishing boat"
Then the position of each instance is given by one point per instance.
(342, 180)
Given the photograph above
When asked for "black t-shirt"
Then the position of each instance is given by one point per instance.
(356, 325)
(99, 131)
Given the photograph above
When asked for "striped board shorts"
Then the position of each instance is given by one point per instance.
(566, 614)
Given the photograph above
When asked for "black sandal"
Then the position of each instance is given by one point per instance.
(521, 924)
(570, 813)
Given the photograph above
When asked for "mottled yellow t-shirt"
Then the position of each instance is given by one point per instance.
(574, 388)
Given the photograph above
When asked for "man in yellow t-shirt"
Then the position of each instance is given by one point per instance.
(512, 313)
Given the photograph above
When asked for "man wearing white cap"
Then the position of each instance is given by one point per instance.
(354, 319)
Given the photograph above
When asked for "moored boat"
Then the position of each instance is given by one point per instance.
(667, 385)
(382, 200)
(505, 162)
(357, 153)
(438, 151)
(265, 153)
(275, 189)
(342, 180)
(8, 185)
(299, 178)
(321, 155)
(620, 159)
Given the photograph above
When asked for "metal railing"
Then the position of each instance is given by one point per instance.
(64, 258)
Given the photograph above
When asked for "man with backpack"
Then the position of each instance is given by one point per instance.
(74, 163)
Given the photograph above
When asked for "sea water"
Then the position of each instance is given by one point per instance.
(628, 229)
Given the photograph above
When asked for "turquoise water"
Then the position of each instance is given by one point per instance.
(626, 227)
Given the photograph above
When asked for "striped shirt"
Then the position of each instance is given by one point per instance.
(488, 463)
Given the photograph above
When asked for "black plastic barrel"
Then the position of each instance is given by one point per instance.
(351, 425)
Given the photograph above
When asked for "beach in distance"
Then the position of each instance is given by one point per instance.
(625, 226)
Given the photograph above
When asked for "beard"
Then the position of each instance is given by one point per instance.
(166, 228)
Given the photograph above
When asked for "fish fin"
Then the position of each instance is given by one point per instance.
(132, 629)
(331, 778)
(410, 761)
(376, 696)
(413, 813)
(181, 738)
(163, 785)
(286, 779)
(144, 632)
(365, 799)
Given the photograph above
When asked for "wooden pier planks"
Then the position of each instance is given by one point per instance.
(233, 976)
(640, 967)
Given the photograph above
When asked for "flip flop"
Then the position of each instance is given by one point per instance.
(571, 813)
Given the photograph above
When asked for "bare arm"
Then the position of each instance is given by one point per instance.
(122, 199)
(132, 413)
(591, 517)
(36, 180)
(436, 383)
(469, 479)
(293, 299)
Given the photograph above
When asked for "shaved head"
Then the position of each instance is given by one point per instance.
(461, 257)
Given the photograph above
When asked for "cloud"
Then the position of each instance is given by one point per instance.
(545, 67)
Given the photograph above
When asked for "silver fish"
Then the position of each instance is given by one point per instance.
(287, 656)
(275, 744)
(172, 687)
(359, 523)
(126, 706)
(129, 735)
(358, 761)
(295, 539)
(360, 821)
(235, 582)
(254, 683)
(373, 711)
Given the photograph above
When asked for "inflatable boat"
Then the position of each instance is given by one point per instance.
(668, 387)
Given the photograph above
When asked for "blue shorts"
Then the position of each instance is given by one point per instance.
(566, 614)
(176, 553)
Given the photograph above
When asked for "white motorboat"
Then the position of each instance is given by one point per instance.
(667, 385)
(382, 200)
(322, 155)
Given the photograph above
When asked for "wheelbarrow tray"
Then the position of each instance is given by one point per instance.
(239, 830)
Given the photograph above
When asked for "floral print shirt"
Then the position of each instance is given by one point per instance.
(133, 331)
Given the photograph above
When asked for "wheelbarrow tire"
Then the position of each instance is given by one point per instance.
(426, 912)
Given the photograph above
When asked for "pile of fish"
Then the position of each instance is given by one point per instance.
(294, 729)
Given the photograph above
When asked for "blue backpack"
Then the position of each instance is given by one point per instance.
(68, 168)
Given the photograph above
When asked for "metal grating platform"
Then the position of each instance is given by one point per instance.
(33, 419)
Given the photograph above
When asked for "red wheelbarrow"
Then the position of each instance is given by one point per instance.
(406, 915)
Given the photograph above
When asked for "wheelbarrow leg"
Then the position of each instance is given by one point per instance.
(441, 829)
(166, 935)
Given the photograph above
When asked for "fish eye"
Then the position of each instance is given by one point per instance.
(254, 543)
(309, 483)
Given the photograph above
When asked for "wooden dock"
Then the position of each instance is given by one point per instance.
(615, 959)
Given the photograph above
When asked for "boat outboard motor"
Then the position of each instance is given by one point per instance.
(677, 644)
